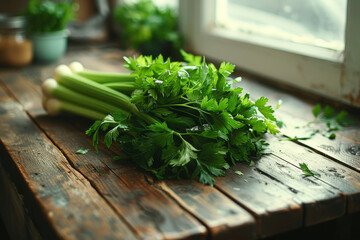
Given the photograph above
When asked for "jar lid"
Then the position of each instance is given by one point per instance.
(12, 21)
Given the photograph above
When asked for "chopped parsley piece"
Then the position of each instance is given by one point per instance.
(307, 171)
(82, 151)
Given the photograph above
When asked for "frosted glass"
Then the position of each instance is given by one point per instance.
(314, 22)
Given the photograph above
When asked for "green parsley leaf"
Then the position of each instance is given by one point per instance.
(329, 135)
(328, 111)
(307, 171)
(267, 111)
(82, 151)
(190, 122)
(186, 153)
(316, 110)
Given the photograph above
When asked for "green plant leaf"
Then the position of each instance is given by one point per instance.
(316, 110)
(307, 171)
(82, 151)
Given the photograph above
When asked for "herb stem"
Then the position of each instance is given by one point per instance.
(184, 105)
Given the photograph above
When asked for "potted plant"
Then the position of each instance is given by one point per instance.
(148, 28)
(46, 26)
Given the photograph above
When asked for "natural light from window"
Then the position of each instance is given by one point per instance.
(318, 23)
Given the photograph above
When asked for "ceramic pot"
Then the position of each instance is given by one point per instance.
(49, 47)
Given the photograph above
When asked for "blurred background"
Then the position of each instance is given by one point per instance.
(309, 44)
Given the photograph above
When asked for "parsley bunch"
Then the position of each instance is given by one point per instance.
(193, 123)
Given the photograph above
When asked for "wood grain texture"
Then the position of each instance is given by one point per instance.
(344, 149)
(268, 200)
(147, 210)
(346, 180)
(67, 201)
(91, 196)
(13, 211)
(224, 218)
(296, 110)
(147, 201)
(316, 197)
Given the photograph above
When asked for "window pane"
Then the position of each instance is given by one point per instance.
(314, 22)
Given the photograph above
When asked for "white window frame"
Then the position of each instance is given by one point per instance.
(322, 71)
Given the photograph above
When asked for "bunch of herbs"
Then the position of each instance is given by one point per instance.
(199, 124)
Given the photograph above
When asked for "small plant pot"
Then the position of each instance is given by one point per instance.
(49, 47)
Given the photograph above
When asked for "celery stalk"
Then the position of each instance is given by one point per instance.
(55, 106)
(121, 86)
(52, 89)
(106, 77)
(65, 77)
(99, 76)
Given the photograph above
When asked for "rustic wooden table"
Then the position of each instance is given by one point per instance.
(47, 191)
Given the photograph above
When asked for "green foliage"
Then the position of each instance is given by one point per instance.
(82, 151)
(334, 122)
(48, 16)
(147, 28)
(200, 124)
(307, 171)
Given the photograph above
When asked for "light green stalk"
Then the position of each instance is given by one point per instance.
(55, 106)
(99, 76)
(65, 77)
(121, 86)
(51, 89)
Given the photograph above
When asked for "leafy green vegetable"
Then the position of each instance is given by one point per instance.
(148, 28)
(48, 16)
(82, 151)
(200, 124)
(307, 171)
(333, 122)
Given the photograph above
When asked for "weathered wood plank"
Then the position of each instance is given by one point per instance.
(282, 203)
(150, 212)
(333, 173)
(13, 211)
(224, 218)
(269, 201)
(297, 111)
(343, 149)
(28, 89)
(171, 222)
(63, 197)
(320, 201)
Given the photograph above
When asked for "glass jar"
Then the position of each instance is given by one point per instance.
(15, 47)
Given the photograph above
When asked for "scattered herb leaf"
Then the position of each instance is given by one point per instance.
(307, 171)
(328, 117)
(82, 151)
(239, 173)
(316, 110)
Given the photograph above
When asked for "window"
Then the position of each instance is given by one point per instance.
(300, 43)
(314, 22)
